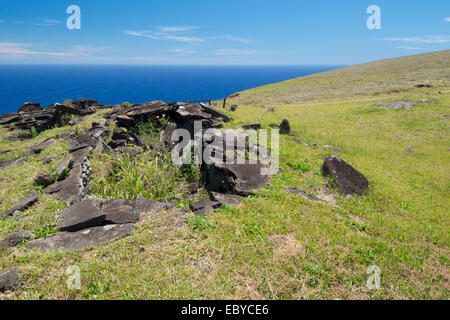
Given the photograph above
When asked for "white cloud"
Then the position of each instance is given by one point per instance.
(2, 21)
(163, 36)
(447, 19)
(47, 22)
(183, 51)
(13, 48)
(177, 29)
(423, 39)
(235, 52)
(410, 48)
(232, 38)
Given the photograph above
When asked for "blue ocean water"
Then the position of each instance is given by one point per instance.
(110, 85)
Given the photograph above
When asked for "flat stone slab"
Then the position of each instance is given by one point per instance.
(82, 239)
(64, 166)
(241, 179)
(16, 238)
(28, 202)
(38, 148)
(226, 199)
(95, 212)
(348, 180)
(9, 279)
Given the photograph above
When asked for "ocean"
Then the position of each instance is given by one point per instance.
(112, 85)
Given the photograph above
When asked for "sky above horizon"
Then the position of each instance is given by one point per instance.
(231, 32)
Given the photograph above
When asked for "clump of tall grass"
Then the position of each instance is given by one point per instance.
(151, 176)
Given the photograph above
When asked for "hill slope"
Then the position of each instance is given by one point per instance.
(377, 78)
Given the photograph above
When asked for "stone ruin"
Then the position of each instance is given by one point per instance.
(89, 221)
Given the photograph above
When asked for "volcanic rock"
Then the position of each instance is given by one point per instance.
(348, 180)
(16, 238)
(9, 279)
(44, 180)
(285, 127)
(30, 106)
(38, 148)
(28, 202)
(82, 239)
(241, 179)
(226, 199)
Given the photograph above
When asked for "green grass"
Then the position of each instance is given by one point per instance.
(275, 245)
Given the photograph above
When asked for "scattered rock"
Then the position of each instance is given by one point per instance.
(82, 239)
(44, 180)
(423, 85)
(254, 126)
(27, 203)
(233, 108)
(47, 160)
(63, 168)
(241, 179)
(15, 239)
(348, 180)
(204, 206)
(270, 110)
(38, 148)
(9, 279)
(30, 106)
(285, 127)
(93, 212)
(226, 199)
(75, 121)
(410, 149)
(213, 112)
(302, 193)
(146, 206)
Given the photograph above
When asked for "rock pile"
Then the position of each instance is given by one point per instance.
(90, 221)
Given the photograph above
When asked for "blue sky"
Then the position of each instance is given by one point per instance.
(219, 32)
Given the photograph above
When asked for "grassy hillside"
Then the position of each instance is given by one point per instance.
(278, 245)
(385, 77)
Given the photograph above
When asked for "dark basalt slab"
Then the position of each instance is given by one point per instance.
(27, 203)
(30, 106)
(63, 168)
(82, 239)
(348, 180)
(241, 179)
(38, 148)
(16, 238)
(226, 199)
(44, 180)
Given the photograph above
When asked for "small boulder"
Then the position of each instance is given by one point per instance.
(348, 180)
(16, 238)
(63, 168)
(44, 180)
(30, 106)
(231, 200)
(38, 148)
(9, 279)
(285, 127)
